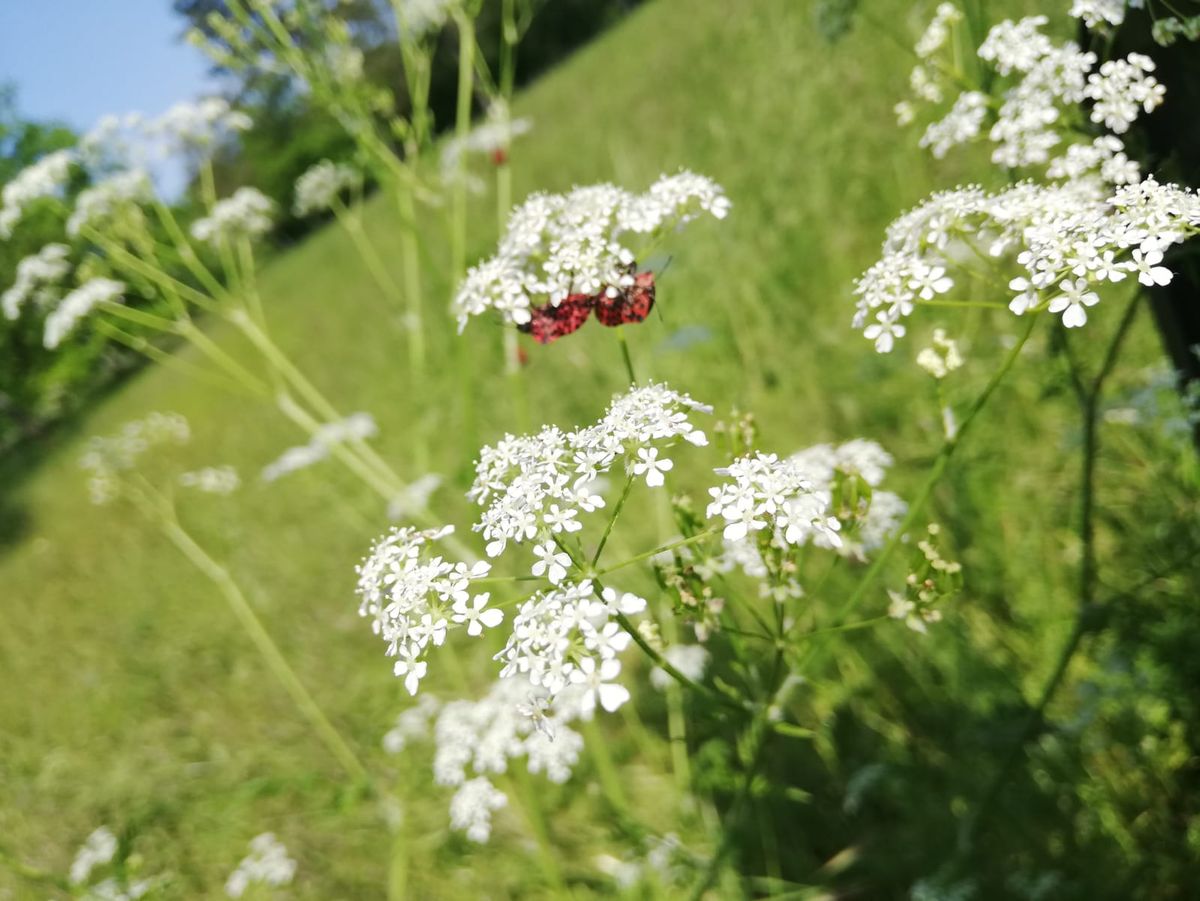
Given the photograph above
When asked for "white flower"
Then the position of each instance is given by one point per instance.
(97, 850)
(355, 427)
(44, 178)
(75, 306)
(533, 486)
(1150, 273)
(412, 596)
(1098, 13)
(476, 614)
(472, 806)
(198, 125)
(551, 562)
(267, 864)
(942, 357)
(37, 276)
(105, 199)
(411, 724)
(584, 241)
(622, 602)
(320, 186)
(599, 687)
(651, 467)
(212, 480)
(248, 213)
(1072, 301)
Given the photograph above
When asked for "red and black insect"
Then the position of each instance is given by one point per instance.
(630, 304)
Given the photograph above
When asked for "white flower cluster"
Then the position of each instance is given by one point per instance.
(354, 427)
(852, 524)
(766, 492)
(76, 305)
(478, 739)
(414, 598)
(37, 275)
(44, 178)
(1069, 238)
(568, 636)
(248, 213)
(417, 18)
(197, 125)
(494, 136)
(212, 480)
(267, 864)
(105, 458)
(96, 851)
(941, 357)
(1045, 80)
(534, 487)
(579, 242)
(1099, 13)
(322, 184)
(105, 199)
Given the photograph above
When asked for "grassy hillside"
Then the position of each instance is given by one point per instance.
(132, 698)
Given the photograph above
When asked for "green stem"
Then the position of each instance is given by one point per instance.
(625, 356)
(262, 641)
(699, 536)
(612, 521)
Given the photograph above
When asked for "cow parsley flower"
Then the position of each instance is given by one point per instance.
(766, 492)
(941, 357)
(107, 458)
(563, 637)
(584, 241)
(320, 185)
(37, 276)
(417, 18)
(212, 480)
(248, 213)
(96, 851)
(107, 198)
(354, 427)
(472, 806)
(1099, 13)
(199, 125)
(534, 486)
(492, 137)
(690, 659)
(415, 598)
(412, 724)
(266, 864)
(44, 178)
(75, 306)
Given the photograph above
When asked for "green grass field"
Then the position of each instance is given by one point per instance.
(131, 697)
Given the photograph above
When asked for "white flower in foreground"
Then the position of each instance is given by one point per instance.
(535, 486)
(37, 275)
(267, 864)
(551, 562)
(321, 185)
(1073, 300)
(414, 598)
(472, 806)
(96, 851)
(765, 491)
(76, 306)
(248, 213)
(585, 241)
(599, 686)
(1150, 273)
(1097, 13)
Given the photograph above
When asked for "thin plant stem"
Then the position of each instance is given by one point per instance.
(612, 520)
(628, 360)
(258, 635)
(1089, 403)
(662, 549)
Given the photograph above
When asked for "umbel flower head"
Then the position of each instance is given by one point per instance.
(320, 186)
(107, 459)
(37, 276)
(535, 487)
(414, 597)
(75, 306)
(581, 242)
(248, 213)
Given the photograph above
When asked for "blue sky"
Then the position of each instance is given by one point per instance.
(75, 60)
